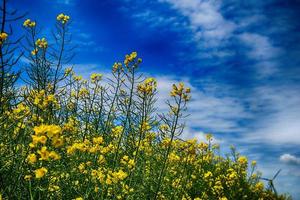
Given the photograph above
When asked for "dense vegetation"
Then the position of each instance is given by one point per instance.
(63, 137)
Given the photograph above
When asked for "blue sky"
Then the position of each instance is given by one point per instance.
(241, 58)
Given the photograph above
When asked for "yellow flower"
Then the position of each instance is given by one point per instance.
(98, 140)
(94, 173)
(27, 177)
(68, 71)
(121, 175)
(116, 67)
(63, 18)
(83, 92)
(96, 77)
(53, 188)
(108, 181)
(3, 36)
(101, 159)
(29, 23)
(148, 86)
(41, 172)
(81, 167)
(116, 131)
(53, 131)
(54, 155)
(259, 186)
(181, 91)
(223, 198)
(43, 139)
(207, 175)
(243, 160)
(77, 78)
(96, 189)
(130, 58)
(31, 158)
(44, 153)
(42, 43)
(34, 51)
(79, 198)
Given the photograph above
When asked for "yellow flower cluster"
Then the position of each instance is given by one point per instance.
(29, 23)
(42, 100)
(96, 77)
(117, 67)
(243, 160)
(259, 186)
(98, 140)
(41, 172)
(31, 158)
(128, 162)
(130, 58)
(19, 112)
(181, 91)
(173, 157)
(44, 132)
(145, 126)
(63, 18)
(116, 131)
(71, 125)
(45, 155)
(41, 43)
(85, 146)
(147, 87)
(68, 71)
(34, 51)
(3, 37)
(231, 178)
(115, 177)
(77, 78)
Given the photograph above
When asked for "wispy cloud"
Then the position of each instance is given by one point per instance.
(212, 33)
(207, 109)
(289, 159)
(279, 119)
(205, 20)
(262, 51)
(85, 42)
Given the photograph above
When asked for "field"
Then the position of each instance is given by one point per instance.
(63, 137)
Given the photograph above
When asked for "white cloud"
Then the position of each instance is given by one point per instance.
(261, 47)
(209, 111)
(211, 31)
(262, 51)
(153, 20)
(85, 70)
(85, 42)
(289, 159)
(280, 122)
(205, 20)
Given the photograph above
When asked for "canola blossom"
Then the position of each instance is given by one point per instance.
(28, 23)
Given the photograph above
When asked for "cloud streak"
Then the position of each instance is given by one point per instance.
(289, 159)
